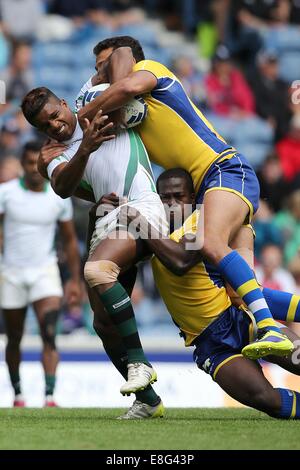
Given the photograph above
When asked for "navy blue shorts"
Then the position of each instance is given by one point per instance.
(235, 175)
(223, 338)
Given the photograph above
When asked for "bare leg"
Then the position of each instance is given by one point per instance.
(244, 381)
(14, 324)
(112, 340)
(243, 243)
(224, 215)
(120, 251)
(108, 259)
(47, 312)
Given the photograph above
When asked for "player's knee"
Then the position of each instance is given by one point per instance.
(101, 272)
(14, 339)
(48, 328)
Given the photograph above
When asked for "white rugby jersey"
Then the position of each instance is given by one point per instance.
(120, 165)
(30, 220)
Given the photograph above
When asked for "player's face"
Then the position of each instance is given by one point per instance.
(102, 63)
(178, 200)
(30, 168)
(56, 120)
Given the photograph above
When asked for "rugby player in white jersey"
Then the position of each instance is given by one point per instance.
(30, 210)
(120, 165)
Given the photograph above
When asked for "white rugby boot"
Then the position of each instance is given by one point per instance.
(140, 375)
(141, 410)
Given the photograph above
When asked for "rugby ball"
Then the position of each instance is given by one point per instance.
(133, 113)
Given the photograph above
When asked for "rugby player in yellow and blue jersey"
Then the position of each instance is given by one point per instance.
(195, 295)
(224, 181)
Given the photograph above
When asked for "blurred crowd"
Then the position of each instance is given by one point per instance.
(247, 82)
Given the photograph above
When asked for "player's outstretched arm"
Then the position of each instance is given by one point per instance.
(66, 177)
(177, 257)
(118, 94)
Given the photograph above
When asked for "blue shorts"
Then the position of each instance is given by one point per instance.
(235, 175)
(222, 339)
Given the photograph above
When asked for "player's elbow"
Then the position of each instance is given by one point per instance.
(184, 264)
(124, 52)
(183, 270)
(60, 189)
(64, 194)
(180, 268)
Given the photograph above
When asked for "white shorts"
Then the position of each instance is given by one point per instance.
(150, 207)
(20, 287)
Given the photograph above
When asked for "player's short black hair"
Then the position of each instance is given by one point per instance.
(34, 101)
(32, 146)
(121, 41)
(177, 173)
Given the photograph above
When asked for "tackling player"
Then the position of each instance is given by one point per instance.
(196, 298)
(224, 181)
(30, 211)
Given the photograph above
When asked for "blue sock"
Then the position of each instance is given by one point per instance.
(290, 404)
(283, 305)
(240, 276)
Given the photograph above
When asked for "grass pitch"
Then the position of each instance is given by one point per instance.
(181, 429)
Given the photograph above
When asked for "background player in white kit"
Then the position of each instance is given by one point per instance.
(30, 210)
(120, 165)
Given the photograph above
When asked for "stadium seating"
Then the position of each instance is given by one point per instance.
(285, 41)
(241, 133)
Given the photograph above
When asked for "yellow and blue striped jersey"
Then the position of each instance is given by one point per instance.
(175, 132)
(195, 299)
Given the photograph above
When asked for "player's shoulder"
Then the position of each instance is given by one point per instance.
(191, 222)
(189, 226)
(158, 69)
(193, 219)
(10, 185)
